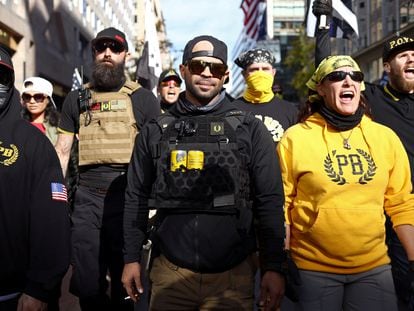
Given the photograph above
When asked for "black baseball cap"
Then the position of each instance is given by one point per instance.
(396, 45)
(169, 74)
(219, 49)
(112, 34)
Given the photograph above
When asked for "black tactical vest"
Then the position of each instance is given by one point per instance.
(221, 186)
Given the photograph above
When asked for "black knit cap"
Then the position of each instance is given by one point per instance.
(396, 45)
(112, 34)
(219, 49)
(5, 59)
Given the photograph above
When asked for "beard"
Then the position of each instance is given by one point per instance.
(398, 82)
(107, 78)
(203, 97)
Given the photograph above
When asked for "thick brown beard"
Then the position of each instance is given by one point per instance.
(107, 78)
(398, 82)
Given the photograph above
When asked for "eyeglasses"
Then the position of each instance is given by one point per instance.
(196, 67)
(172, 83)
(336, 76)
(114, 46)
(37, 97)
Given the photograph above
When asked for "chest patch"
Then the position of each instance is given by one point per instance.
(109, 105)
(216, 128)
(8, 154)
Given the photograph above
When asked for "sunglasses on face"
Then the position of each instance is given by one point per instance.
(114, 46)
(37, 97)
(337, 76)
(172, 83)
(196, 67)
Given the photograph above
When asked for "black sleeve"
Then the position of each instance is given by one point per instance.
(49, 222)
(141, 174)
(69, 118)
(146, 106)
(322, 45)
(268, 198)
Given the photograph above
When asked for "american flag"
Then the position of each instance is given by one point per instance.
(76, 80)
(253, 13)
(59, 192)
(344, 22)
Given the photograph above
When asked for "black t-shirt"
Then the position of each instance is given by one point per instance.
(278, 115)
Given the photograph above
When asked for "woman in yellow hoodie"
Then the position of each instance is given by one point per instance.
(341, 170)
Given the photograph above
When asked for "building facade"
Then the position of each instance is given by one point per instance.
(51, 38)
(378, 21)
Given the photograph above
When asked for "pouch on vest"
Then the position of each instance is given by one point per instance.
(222, 186)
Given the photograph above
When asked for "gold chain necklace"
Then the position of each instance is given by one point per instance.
(345, 140)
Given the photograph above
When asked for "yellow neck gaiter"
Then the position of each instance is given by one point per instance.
(259, 87)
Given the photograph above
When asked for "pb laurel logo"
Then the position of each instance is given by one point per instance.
(8, 154)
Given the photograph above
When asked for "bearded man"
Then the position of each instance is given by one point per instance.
(106, 115)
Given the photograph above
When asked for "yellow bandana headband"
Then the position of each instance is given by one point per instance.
(328, 65)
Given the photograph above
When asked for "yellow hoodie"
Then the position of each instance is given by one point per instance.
(335, 197)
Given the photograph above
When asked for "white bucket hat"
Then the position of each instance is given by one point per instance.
(39, 85)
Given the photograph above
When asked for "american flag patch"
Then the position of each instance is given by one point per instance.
(59, 192)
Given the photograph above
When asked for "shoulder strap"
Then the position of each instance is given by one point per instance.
(236, 118)
(164, 120)
(130, 87)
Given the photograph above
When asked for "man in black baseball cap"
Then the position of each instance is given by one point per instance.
(169, 86)
(397, 45)
(207, 199)
(111, 34)
(120, 107)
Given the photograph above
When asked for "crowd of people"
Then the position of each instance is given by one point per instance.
(198, 201)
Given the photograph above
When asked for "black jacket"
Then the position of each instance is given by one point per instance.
(34, 227)
(395, 110)
(200, 242)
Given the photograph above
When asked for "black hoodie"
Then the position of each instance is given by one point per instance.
(34, 225)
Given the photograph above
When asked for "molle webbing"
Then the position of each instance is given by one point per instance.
(222, 186)
(110, 136)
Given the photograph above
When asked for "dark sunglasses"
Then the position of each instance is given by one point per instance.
(172, 83)
(114, 46)
(196, 67)
(37, 97)
(337, 76)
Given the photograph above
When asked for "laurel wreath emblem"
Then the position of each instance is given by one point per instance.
(13, 158)
(372, 168)
(330, 171)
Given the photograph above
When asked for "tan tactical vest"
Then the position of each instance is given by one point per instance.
(110, 135)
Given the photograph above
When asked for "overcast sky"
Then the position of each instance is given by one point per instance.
(186, 19)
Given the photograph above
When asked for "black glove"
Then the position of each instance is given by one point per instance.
(322, 7)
